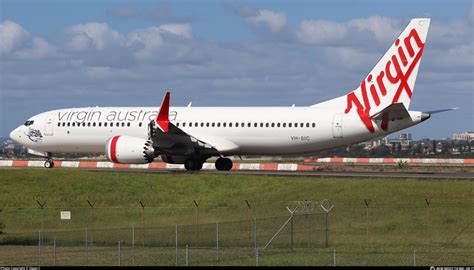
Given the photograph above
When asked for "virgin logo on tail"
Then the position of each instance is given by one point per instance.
(391, 76)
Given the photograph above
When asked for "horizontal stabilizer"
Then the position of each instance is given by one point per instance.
(393, 111)
(442, 110)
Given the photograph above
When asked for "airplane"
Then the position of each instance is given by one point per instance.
(191, 135)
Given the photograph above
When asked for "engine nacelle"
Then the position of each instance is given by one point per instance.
(130, 150)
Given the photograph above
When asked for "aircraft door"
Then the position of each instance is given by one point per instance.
(48, 131)
(337, 126)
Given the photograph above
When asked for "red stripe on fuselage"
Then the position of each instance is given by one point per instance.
(113, 149)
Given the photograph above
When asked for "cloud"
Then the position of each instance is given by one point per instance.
(18, 43)
(374, 29)
(163, 13)
(182, 30)
(12, 36)
(96, 35)
(123, 12)
(267, 19)
(320, 32)
(261, 20)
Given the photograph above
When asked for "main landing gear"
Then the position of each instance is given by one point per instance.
(223, 164)
(192, 164)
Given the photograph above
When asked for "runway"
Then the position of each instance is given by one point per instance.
(338, 174)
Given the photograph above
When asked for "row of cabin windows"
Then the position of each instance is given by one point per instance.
(94, 124)
(218, 124)
(190, 124)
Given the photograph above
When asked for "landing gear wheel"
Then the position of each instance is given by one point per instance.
(192, 164)
(49, 164)
(223, 164)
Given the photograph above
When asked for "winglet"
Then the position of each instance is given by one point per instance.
(163, 116)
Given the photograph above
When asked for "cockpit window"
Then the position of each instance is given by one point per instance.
(29, 123)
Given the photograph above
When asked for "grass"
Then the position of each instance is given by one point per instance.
(397, 220)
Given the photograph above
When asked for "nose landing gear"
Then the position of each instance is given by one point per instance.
(49, 163)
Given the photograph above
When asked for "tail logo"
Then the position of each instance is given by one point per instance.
(392, 74)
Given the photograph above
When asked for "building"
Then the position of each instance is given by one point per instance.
(466, 136)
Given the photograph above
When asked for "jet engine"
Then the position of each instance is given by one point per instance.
(130, 150)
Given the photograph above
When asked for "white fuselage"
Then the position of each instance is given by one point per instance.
(254, 130)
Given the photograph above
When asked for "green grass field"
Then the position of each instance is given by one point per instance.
(397, 221)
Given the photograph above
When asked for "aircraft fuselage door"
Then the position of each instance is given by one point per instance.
(48, 131)
(337, 126)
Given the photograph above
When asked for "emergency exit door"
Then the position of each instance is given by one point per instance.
(337, 126)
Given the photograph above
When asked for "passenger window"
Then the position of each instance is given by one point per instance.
(64, 124)
(255, 124)
(307, 125)
(140, 124)
(68, 124)
(207, 124)
(213, 124)
(218, 124)
(314, 125)
(105, 124)
(261, 124)
(242, 124)
(128, 124)
(202, 124)
(224, 124)
(267, 125)
(73, 124)
(278, 124)
(230, 124)
(177, 124)
(59, 124)
(184, 124)
(236, 124)
(284, 124)
(100, 124)
(289, 124)
(89, 124)
(93, 124)
(273, 124)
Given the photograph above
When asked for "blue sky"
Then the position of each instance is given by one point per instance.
(57, 54)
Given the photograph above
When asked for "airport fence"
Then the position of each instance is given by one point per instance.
(307, 233)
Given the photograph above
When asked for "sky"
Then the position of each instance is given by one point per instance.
(79, 53)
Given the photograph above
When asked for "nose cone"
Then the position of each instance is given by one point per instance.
(15, 134)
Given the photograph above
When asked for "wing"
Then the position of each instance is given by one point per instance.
(170, 139)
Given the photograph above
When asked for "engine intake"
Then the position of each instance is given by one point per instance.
(129, 150)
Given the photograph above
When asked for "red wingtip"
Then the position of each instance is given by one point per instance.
(163, 116)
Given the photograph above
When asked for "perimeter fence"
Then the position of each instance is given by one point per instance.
(305, 233)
